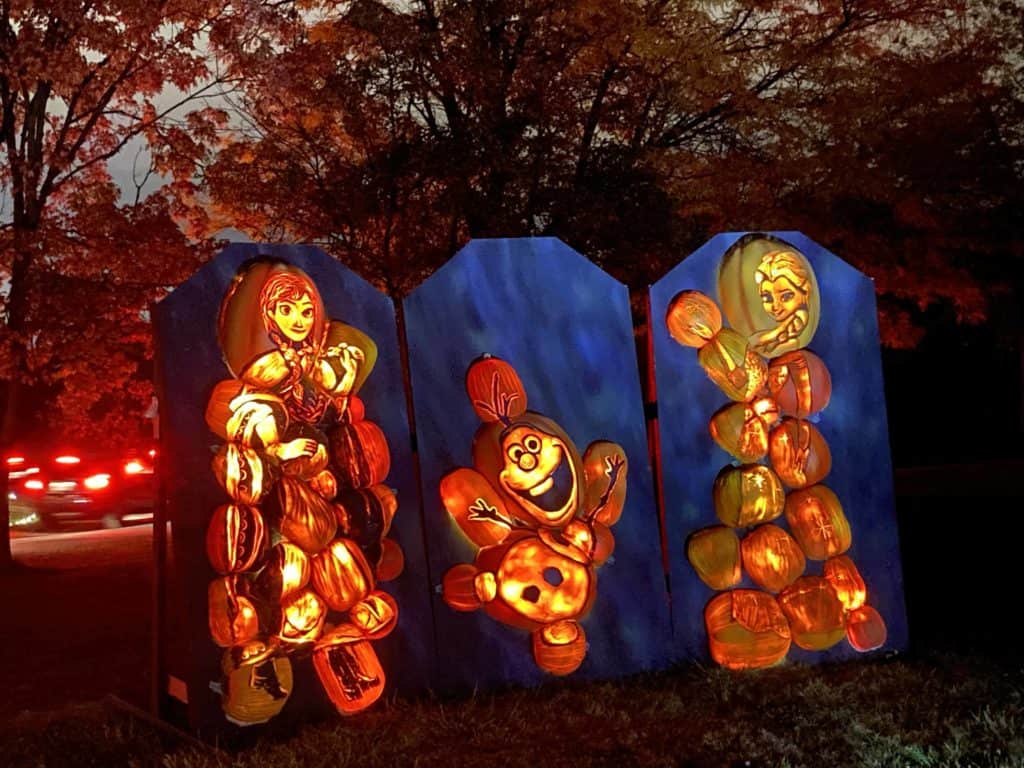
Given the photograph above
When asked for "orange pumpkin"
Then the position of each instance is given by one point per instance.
(846, 580)
(232, 615)
(799, 454)
(257, 682)
(460, 587)
(302, 515)
(361, 515)
(740, 432)
(714, 554)
(235, 538)
(495, 389)
(340, 333)
(392, 561)
(865, 629)
(349, 669)
(560, 648)
(693, 318)
(604, 543)
(341, 574)
(815, 613)
(772, 558)
(737, 370)
(287, 570)
(816, 519)
(747, 495)
(355, 409)
(253, 419)
(301, 617)
(243, 473)
(360, 454)
(800, 383)
(746, 629)
(375, 615)
(306, 467)
(604, 477)
(475, 506)
(325, 484)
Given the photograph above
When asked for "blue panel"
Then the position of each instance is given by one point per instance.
(854, 425)
(190, 364)
(566, 327)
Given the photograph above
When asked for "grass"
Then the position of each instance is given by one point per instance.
(932, 711)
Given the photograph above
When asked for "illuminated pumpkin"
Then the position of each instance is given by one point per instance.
(772, 558)
(799, 454)
(746, 629)
(714, 554)
(252, 418)
(392, 561)
(769, 294)
(349, 669)
(362, 515)
(728, 361)
(815, 613)
(740, 432)
(341, 574)
(301, 617)
(693, 318)
(865, 629)
(306, 466)
(287, 570)
(475, 506)
(325, 484)
(465, 588)
(535, 467)
(355, 409)
(560, 648)
(235, 538)
(747, 495)
(846, 580)
(604, 478)
(816, 519)
(257, 682)
(339, 335)
(302, 515)
(800, 383)
(360, 454)
(495, 389)
(604, 543)
(243, 473)
(375, 615)
(539, 584)
(232, 615)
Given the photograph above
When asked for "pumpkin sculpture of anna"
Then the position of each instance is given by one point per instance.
(539, 514)
(302, 542)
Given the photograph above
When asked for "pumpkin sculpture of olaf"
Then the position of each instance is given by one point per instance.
(540, 515)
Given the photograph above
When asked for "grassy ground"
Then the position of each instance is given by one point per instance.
(932, 711)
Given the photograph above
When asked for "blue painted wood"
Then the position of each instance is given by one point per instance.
(566, 327)
(190, 364)
(854, 425)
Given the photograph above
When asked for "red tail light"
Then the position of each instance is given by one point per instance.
(34, 485)
(134, 467)
(67, 459)
(15, 461)
(97, 482)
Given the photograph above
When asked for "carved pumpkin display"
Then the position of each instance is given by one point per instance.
(301, 617)
(846, 580)
(257, 682)
(235, 538)
(799, 454)
(729, 362)
(495, 389)
(392, 561)
(325, 484)
(714, 554)
(339, 336)
(740, 432)
(560, 648)
(772, 558)
(243, 473)
(360, 454)
(302, 515)
(747, 495)
(310, 464)
(818, 523)
(769, 293)
(865, 629)
(232, 615)
(375, 615)
(465, 588)
(815, 613)
(475, 506)
(287, 570)
(693, 318)
(535, 467)
(604, 477)
(252, 419)
(341, 574)
(800, 383)
(349, 669)
(746, 629)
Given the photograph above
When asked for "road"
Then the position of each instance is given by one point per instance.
(75, 619)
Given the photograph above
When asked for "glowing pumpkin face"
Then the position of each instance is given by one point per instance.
(543, 585)
(531, 459)
(294, 318)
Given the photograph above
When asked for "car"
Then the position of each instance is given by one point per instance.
(50, 490)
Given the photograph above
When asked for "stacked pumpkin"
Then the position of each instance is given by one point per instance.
(766, 428)
(302, 542)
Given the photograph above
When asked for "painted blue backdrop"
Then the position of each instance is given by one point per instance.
(854, 424)
(189, 365)
(566, 327)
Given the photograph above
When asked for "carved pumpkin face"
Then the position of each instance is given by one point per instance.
(541, 584)
(293, 318)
